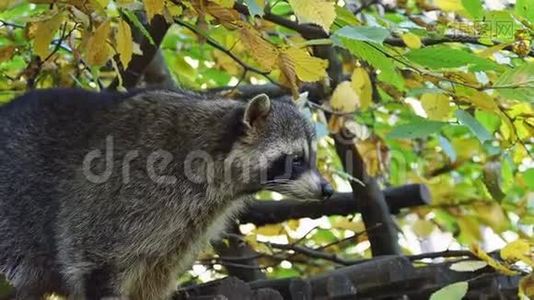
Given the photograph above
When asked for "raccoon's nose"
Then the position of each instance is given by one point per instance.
(326, 190)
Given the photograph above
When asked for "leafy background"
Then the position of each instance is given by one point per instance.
(435, 92)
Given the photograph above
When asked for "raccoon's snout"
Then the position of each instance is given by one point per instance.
(308, 185)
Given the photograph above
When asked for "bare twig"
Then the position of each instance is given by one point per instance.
(216, 45)
(313, 253)
(8, 24)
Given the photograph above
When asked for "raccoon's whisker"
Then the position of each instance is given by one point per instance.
(278, 180)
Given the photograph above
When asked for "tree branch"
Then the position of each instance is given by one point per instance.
(215, 45)
(313, 253)
(380, 278)
(261, 212)
(130, 77)
(309, 31)
(248, 268)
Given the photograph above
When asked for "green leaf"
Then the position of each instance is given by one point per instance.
(489, 120)
(442, 57)
(500, 25)
(474, 8)
(416, 129)
(377, 59)
(221, 78)
(525, 9)
(518, 83)
(345, 17)
(478, 130)
(284, 273)
(447, 148)
(455, 291)
(137, 23)
(323, 236)
(468, 265)
(528, 175)
(254, 8)
(507, 173)
(363, 33)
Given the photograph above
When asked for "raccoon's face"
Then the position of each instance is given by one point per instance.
(281, 141)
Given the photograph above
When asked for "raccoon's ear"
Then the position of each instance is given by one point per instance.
(257, 109)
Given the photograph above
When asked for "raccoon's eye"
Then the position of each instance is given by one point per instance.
(298, 160)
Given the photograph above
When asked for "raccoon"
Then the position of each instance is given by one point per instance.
(112, 195)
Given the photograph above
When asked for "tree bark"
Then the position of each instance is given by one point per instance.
(132, 74)
(261, 212)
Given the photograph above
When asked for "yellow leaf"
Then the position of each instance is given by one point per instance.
(477, 98)
(124, 43)
(288, 75)
(492, 50)
(335, 124)
(491, 262)
(293, 224)
(344, 98)
(270, 230)
(450, 5)
(436, 106)
(374, 153)
(320, 12)
(251, 240)
(345, 224)
(153, 7)
(226, 62)
(469, 229)
(227, 16)
(411, 40)
(466, 148)
(43, 33)
(307, 67)
(518, 250)
(98, 50)
(103, 3)
(526, 287)
(224, 3)
(492, 214)
(5, 4)
(174, 10)
(361, 83)
(6, 53)
(423, 228)
(263, 52)
(507, 128)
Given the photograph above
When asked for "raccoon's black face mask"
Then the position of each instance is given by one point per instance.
(288, 167)
(283, 139)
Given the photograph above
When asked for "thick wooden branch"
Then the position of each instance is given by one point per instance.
(270, 212)
(248, 268)
(310, 31)
(131, 76)
(380, 278)
(371, 200)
